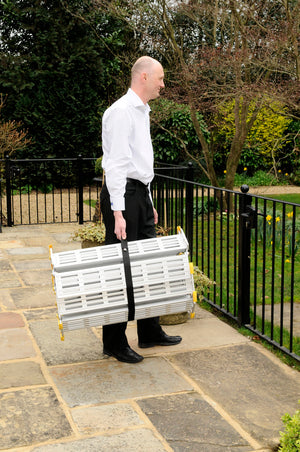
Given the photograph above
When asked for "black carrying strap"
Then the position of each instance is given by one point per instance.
(128, 277)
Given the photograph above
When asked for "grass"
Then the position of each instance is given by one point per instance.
(90, 202)
(288, 197)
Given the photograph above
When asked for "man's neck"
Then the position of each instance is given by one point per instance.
(139, 93)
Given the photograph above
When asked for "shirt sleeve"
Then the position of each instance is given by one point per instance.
(117, 154)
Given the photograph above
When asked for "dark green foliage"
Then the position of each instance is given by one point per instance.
(290, 438)
(206, 206)
(173, 131)
(98, 167)
(56, 71)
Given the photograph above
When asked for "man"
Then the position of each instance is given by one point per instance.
(126, 202)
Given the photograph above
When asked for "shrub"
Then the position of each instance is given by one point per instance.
(290, 438)
(173, 131)
(98, 167)
(93, 232)
(258, 179)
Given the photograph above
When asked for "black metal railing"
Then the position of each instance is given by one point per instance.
(248, 244)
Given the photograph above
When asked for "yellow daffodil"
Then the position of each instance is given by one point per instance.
(290, 214)
(268, 218)
(277, 219)
(225, 171)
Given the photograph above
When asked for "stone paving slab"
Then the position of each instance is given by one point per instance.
(105, 418)
(188, 422)
(41, 314)
(9, 280)
(33, 264)
(10, 244)
(196, 333)
(141, 440)
(80, 345)
(18, 374)
(6, 300)
(31, 416)
(41, 278)
(15, 344)
(111, 380)
(11, 320)
(5, 265)
(33, 297)
(252, 388)
(27, 250)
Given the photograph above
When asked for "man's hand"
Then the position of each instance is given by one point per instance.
(155, 216)
(120, 225)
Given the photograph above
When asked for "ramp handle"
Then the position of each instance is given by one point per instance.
(128, 277)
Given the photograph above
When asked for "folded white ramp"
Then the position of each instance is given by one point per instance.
(91, 284)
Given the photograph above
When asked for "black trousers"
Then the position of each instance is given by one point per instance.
(139, 225)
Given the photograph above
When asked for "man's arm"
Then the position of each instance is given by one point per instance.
(120, 225)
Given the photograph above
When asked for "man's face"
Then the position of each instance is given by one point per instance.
(155, 82)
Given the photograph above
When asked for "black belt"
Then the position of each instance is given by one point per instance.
(137, 182)
(128, 278)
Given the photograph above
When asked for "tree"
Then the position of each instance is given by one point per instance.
(56, 72)
(12, 136)
(243, 52)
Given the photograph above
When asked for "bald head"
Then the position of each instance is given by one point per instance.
(144, 64)
(147, 78)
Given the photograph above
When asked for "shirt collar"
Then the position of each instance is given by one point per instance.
(137, 101)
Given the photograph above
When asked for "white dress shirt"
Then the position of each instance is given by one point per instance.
(127, 146)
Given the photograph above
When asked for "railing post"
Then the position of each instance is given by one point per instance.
(189, 206)
(244, 257)
(80, 189)
(8, 190)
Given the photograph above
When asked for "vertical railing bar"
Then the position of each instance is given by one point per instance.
(176, 203)
(37, 203)
(29, 204)
(255, 268)
(208, 231)
(282, 274)
(167, 203)
(172, 206)
(215, 246)
(228, 250)
(293, 244)
(53, 205)
(20, 198)
(45, 195)
(197, 225)
(202, 233)
(264, 268)
(235, 256)
(181, 202)
(8, 189)
(273, 267)
(80, 189)
(221, 249)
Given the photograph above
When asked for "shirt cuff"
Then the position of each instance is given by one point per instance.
(117, 203)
